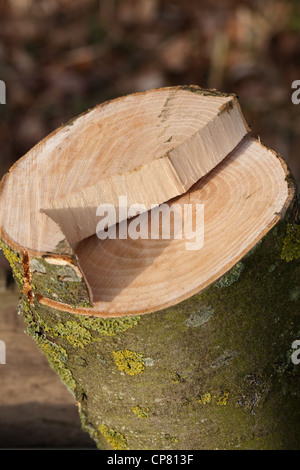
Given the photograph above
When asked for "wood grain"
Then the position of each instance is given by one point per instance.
(149, 146)
(243, 198)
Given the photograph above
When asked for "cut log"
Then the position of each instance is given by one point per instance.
(149, 146)
(242, 199)
(165, 344)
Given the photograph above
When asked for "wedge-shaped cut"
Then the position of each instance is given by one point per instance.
(242, 197)
(149, 147)
(243, 193)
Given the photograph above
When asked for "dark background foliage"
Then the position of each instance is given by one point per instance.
(59, 58)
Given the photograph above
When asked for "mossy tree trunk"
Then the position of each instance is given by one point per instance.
(213, 372)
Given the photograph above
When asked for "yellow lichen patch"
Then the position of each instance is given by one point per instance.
(170, 438)
(205, 399)
(115, 439)
(25, 306)
(110, 326)
(176, 377)
(56, 354)
(75, 334)
(222, 400)
(129, 361)
(140, 412)
(57, 357)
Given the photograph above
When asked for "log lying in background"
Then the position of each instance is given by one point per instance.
(165, 347)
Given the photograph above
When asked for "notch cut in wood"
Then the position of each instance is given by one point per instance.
(149, 147)
(244, 195)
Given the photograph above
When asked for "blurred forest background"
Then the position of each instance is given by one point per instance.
(59, 58)
(62, 57)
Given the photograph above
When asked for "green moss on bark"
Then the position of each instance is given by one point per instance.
(55, 353)
(15, 262)
(59, 282)
(231, 277)
(221, 374)
(291, 243)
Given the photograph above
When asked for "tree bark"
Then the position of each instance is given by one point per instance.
(213, 372)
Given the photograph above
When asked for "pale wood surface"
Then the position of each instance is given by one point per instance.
(125, 146)
(149, 146)
(243, 198)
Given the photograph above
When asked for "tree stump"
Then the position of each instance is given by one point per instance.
(163, 347)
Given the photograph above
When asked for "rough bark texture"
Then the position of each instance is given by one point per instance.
(213, 372)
